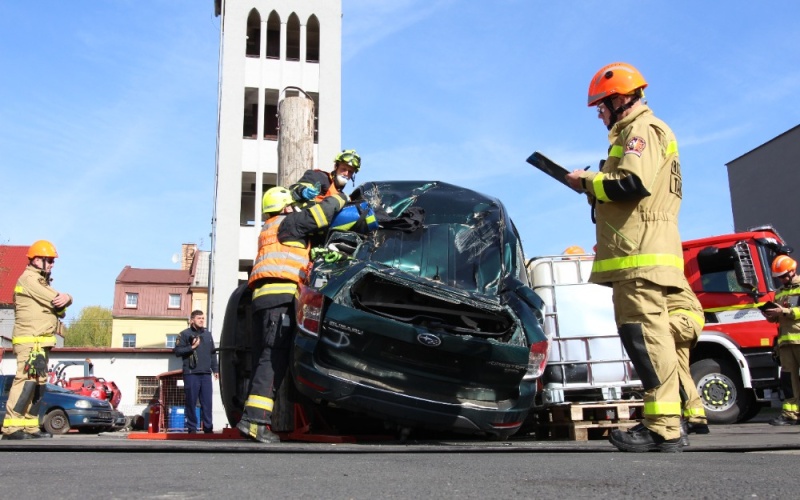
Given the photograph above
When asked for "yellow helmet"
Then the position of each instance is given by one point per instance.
(42, 248)
(275, 199)
(574, 250)
(350, 157)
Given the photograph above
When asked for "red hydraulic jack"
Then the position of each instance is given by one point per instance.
(303, 432)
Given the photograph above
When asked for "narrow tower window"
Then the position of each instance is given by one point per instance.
(312, 40)
(273, 36)
(253, 47)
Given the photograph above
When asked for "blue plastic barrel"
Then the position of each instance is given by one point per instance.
(176, 418)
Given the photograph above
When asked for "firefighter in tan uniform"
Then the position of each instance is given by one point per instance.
(37, 320)
(636, 198)
(686, 321)
(787, 315)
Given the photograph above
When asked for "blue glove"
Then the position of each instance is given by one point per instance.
(309, 193)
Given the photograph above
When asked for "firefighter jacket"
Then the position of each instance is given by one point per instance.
(637, 197)
(788, 297)
(313, 178)
(35, 314)
(283, 247)
(196, 361)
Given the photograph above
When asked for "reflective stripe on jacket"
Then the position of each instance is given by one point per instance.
(284, 265)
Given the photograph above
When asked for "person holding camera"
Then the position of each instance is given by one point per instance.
(196, 346)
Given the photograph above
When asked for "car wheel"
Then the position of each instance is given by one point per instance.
(234, 354)
(56, 422)
(720, 387)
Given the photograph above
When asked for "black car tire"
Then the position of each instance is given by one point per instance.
(721, 389)
(56, 422)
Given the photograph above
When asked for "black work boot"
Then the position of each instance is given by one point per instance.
(257, 432)
(697, 428)
(41, 434)
(18, 435)
(684, 433)
(782, 420)
(639, 439)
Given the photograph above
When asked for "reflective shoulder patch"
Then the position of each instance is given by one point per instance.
(635, 146)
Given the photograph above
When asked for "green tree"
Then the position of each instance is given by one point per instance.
(91, 329)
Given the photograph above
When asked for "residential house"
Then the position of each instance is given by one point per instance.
(152, 306)
(13, 260)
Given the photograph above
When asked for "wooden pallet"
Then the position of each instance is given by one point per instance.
(585, 421)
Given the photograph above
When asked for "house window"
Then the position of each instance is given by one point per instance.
(128, 340)
(145, 389)
(174, 301)
(131, 300)
(171, 338)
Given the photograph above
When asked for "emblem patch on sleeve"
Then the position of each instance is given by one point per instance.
(635, 146)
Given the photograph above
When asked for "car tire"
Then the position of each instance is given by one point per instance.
(721, 389)
(56, 422)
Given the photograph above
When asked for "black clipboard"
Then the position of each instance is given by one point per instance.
(768, 305)
(550, 167)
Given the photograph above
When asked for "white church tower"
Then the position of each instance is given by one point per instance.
(265, 47)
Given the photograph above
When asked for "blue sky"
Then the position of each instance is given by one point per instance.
(108, 121)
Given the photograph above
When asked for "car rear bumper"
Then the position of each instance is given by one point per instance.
(500, 419)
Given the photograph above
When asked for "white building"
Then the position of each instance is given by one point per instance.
(265, 47)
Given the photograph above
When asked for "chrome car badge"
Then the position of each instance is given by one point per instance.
(429, 340)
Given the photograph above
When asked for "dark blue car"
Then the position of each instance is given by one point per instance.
(62, 410)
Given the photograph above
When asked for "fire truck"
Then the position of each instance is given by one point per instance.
(732, 364)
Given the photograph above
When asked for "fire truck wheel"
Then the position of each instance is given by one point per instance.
(720, 387)
(56, 422)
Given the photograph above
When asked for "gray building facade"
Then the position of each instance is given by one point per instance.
(764, 182)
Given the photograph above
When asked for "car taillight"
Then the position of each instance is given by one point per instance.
(537, 359)
(309, 310)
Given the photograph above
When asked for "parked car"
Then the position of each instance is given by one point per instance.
(426, 322)
(62, 410)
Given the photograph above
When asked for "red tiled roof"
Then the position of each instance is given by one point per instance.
(12, 262)
(154, 276)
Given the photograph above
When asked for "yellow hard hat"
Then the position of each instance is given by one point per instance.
(574, 250)
(42, 248)
(275, 199)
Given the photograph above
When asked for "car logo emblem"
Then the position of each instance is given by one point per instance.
(429, 340)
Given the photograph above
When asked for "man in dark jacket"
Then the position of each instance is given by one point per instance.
(196, 346)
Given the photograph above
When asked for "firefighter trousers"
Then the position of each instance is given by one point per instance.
(18, 416)
(640, 309)
(272, 340)
(790, 363)
(686, 332)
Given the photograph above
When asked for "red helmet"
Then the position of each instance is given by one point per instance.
(616, 78)
(42, 248)
(782, 265)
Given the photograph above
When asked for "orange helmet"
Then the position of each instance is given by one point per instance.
(42, 248)
(782, 265)
(574, 250)
(616, 78)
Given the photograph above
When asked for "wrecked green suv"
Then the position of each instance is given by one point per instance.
(426, 322)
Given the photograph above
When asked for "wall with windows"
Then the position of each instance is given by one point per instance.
(267, 46)
(146, 332)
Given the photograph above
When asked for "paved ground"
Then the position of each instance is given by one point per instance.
(756, 435)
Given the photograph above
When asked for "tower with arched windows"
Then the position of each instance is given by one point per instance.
(265, 47)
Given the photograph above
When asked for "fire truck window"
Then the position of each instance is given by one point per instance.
(717, 270)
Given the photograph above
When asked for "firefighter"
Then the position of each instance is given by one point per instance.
(281, 264)
(315, 184)
(636, 198)
(786, 313)
(39, 309)
(686, 321)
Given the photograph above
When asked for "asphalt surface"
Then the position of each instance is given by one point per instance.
(756, 435)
